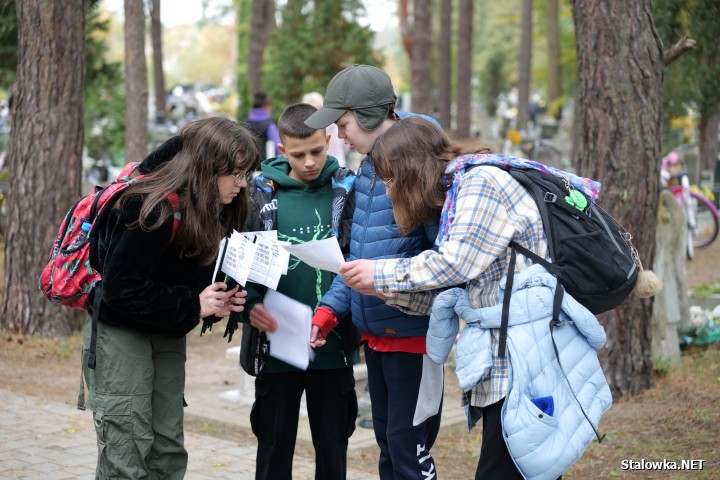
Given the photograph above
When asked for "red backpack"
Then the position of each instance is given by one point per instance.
(68, 276)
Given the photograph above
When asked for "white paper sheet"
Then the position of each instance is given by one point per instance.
(322, 254)
(238, 258)
(267, 235)
(291, 341)
(269, 262)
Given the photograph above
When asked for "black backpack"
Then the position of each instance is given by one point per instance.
(592, 255)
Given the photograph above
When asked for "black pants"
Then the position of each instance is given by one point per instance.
(332, 411)
(406, 392)
(495, 460)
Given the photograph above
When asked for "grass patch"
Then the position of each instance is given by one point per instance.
(705, 290)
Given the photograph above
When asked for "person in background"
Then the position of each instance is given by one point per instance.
(337, 148)
(301, 194)
(263, 127)
(406, 387)
(155, 289)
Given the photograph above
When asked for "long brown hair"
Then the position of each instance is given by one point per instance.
(211, 147)
(411, 156)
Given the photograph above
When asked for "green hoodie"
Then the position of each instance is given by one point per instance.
(304, 214)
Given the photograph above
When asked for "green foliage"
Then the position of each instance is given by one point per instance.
(8, 42)
(313, 42)
(493, 82)
(705, 290)
(693, 81)
(662, 365)
(104, 94)
(104, 90)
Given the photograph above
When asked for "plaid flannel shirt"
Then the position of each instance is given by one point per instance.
(491, 210)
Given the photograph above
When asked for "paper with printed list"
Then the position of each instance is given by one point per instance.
(323, 254)
(262, 262)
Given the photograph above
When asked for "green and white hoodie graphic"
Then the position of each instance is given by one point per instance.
(301, 213)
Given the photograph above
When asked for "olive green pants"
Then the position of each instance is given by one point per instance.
(136, 395)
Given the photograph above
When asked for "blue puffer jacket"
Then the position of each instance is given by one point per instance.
(374, 235)
(554, 402)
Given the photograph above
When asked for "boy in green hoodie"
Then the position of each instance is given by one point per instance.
(301, 194)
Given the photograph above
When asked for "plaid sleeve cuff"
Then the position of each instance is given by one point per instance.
(384, 275)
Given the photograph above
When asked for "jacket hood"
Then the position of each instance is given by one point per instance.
(259, 115)
(277, 169)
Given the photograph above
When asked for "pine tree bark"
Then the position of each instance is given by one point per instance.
(158, 72)
(524, 65)
(709, 142)
(421, 58)
(262, 23)
(554, 70)
(464, 71)
(136, 80)
(445, 81)
(618, 118)
(45, 158)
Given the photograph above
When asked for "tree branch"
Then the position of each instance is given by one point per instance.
(682, 46)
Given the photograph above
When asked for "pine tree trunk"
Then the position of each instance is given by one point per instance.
(524, 64)
(619, 115)
(421, 58)
(262, 23)
(45, 158)
(136, 109)
(159, 73)
(243, 9)
(464, 71)
(708, 137)
(445, 86)
(554, 69)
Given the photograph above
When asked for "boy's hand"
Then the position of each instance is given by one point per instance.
(317, 339)
(261, 319)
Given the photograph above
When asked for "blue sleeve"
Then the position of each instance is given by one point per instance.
(338, 297)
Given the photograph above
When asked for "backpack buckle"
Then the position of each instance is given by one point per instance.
(550, 197)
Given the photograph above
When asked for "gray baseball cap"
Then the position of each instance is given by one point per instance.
(364, 89)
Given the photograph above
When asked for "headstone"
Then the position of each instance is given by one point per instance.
(671, 307)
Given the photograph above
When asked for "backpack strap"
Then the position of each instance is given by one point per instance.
(557, 300)
(97, 301)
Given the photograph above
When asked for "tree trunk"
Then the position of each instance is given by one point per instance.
(619, 118)
(445, 87)
(421, 58)
(136, 109)
(554, 69)
(159, 74)
(708, 137)
(45, 158)
(262, 23)
(243, 15)
(464, 70)
(405, 27)
(524, 64)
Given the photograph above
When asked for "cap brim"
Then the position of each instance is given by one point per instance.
(324, 117)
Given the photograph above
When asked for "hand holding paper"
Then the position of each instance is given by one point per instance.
(290, 342)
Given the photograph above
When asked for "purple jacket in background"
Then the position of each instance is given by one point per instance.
(260, 115)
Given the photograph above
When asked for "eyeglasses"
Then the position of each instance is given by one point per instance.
(388, 182)
(238, 177)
